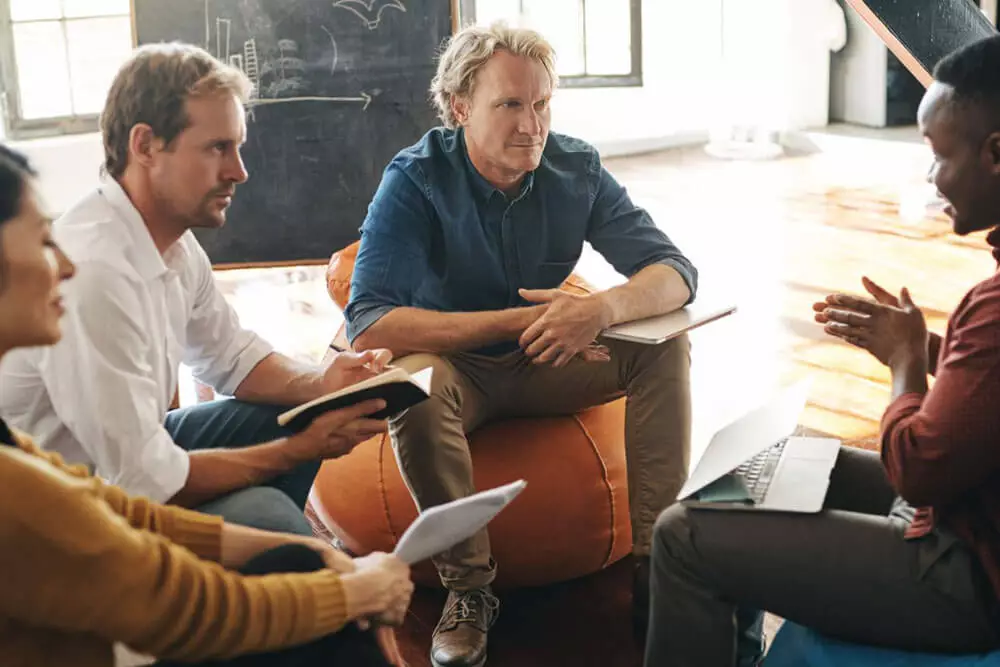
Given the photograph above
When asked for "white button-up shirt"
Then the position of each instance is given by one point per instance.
(101, 394)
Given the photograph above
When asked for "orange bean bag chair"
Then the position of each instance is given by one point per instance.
(571, 520)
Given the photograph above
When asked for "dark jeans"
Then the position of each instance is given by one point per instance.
(228, 423)
(350, 646)
(846, 572)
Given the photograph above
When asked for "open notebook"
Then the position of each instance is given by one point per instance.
(396, 387)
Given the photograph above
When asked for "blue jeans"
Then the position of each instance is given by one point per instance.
(228, 423)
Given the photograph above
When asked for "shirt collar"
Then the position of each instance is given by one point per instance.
(484, 188)
(147, 259)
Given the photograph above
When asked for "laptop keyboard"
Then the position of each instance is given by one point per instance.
(758, 472)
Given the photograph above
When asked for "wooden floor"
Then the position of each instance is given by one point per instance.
(770, 236)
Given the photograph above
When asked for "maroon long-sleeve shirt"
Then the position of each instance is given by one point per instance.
(942, 449)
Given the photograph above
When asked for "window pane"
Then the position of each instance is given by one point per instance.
(75, 8)
(561, 21)
(33, 10)
(97, 48)
(609, 37)
(42, 71)
(488, 11)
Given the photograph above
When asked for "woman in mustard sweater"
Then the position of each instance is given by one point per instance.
(83, 566)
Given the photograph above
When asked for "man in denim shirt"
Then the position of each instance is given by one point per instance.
(466, 242)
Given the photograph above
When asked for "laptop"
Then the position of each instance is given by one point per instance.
(660, 328)
(755, 463)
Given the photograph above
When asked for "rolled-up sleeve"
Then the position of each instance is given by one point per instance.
(938, 446)
(219, 351)
(626, 235)
(393, 252)
(102, 387)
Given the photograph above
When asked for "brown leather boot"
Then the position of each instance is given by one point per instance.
(460, 636)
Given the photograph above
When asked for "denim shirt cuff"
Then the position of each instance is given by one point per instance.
(686, 274)
(365, 318)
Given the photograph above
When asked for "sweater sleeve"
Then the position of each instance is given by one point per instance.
(80, 568)
(201, 533)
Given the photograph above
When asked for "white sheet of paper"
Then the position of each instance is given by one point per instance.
(422, 378)
(440, 528)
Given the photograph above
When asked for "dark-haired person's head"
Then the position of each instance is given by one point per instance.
(31, 266)
(960, 117)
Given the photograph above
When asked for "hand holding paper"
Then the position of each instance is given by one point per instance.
(439, 528)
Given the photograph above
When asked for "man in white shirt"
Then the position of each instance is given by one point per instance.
(144, 301)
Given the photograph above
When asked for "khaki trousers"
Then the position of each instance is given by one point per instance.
(470, 390)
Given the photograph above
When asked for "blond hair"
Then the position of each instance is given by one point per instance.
(152, 88)
(468, 50)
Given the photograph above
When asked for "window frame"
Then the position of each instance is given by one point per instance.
(14, 125)
(467, 10)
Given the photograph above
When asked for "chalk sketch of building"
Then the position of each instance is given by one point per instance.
(250, 64)
(370, 11)
(285, 75)
(276, 79)
(223, 35)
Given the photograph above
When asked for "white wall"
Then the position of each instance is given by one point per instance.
(858, 76)
(681, 54)
(68, 166)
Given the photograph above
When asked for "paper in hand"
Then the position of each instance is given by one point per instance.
(439, 528)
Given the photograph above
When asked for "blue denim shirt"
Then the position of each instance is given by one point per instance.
(439, 237)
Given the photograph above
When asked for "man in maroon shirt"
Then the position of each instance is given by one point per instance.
(906, 553)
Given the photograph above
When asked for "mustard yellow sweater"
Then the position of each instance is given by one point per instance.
(82, 565)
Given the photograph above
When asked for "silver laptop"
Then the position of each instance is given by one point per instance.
(661, 328)
(754, 463)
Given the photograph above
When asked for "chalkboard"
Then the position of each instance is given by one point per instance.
(340, 87)
(922, 32)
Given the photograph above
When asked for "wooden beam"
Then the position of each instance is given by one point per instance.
(889, 39)
(922, 32)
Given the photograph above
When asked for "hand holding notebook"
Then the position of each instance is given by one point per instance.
(396, 387)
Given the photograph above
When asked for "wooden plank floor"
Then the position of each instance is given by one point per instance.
(772, 237)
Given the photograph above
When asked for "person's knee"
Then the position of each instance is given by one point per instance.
(283, 559)
(261, 507)
(416, 427)
(671, 359)
(226, 423)
(672, 534)
(444, 377)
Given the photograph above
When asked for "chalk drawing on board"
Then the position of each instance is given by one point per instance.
(223, 31)
(333, 42)
(285, 74)
(276, 78)
(364, 98)
(370, 11)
